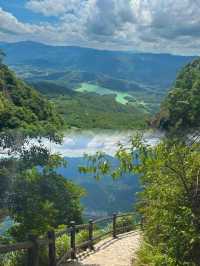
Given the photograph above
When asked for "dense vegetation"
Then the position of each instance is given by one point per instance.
(88, 111)
(169, 205)
(170, 200)
(21, 107)
(32, 193)
(181, 109)
(146, 77)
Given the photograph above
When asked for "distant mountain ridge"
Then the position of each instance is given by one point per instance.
(148, 69)
(59, 71)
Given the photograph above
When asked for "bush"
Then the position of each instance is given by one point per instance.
(62, 245)
(125, 224)
(170, 201)
(82, 237)
(13, 259)
(151, 256)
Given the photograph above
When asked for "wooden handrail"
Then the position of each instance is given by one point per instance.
(15, 247)
(33, 245)
(101, 220)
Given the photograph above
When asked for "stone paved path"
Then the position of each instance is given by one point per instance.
(112, 252)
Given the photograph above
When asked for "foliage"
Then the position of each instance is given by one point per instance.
(41, 199)
(13, 259)
(181, 109)
(62, 245)
(2, 54)
(36, 197)
(125, 224)
(170, 200)
(21, 107)
(90, 110)
(152, 256)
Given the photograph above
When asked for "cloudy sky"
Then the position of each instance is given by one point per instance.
(137, 25)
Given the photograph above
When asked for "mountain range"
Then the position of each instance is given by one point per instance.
(89, 87)
(143, 68)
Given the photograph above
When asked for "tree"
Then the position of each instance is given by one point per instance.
(31, 191)
(169, 203)
(41, 199)
(2, 55)
(181, 109)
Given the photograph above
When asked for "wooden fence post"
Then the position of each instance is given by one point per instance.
(90, 231)
(73, 240)
(33, 253)
(52, 248)
(114, 225)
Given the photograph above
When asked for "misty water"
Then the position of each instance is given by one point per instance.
(77, 143)
(107, 195)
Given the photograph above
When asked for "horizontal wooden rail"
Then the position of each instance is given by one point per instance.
(33, 245)
(81, 227)
(62, 232)
(102, 220)
(15, 247)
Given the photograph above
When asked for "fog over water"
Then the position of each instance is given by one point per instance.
(76, 144)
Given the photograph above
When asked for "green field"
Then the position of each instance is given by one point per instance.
(121, 97)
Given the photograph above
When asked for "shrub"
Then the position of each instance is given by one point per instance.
(151, 256)
(125, 224)
(62, 245)
(13, 259)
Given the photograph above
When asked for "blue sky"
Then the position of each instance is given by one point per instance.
(23, 14)
(171, 26)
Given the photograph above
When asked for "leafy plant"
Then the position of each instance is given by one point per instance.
(181, 108)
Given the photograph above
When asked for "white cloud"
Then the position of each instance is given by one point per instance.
(8, 23)
(55, 8)
(146, 25)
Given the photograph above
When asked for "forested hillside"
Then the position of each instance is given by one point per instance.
(169, 172)
(181, 108)
(90, 110)
(33, 196)
(23, 107)
(90, 86)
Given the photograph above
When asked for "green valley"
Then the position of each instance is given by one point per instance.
(88, 110)
(93, 88)
(99, 133)
(120, 97)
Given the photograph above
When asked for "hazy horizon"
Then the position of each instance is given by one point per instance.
(123, 25)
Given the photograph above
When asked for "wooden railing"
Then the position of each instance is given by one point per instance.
(33, 245)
